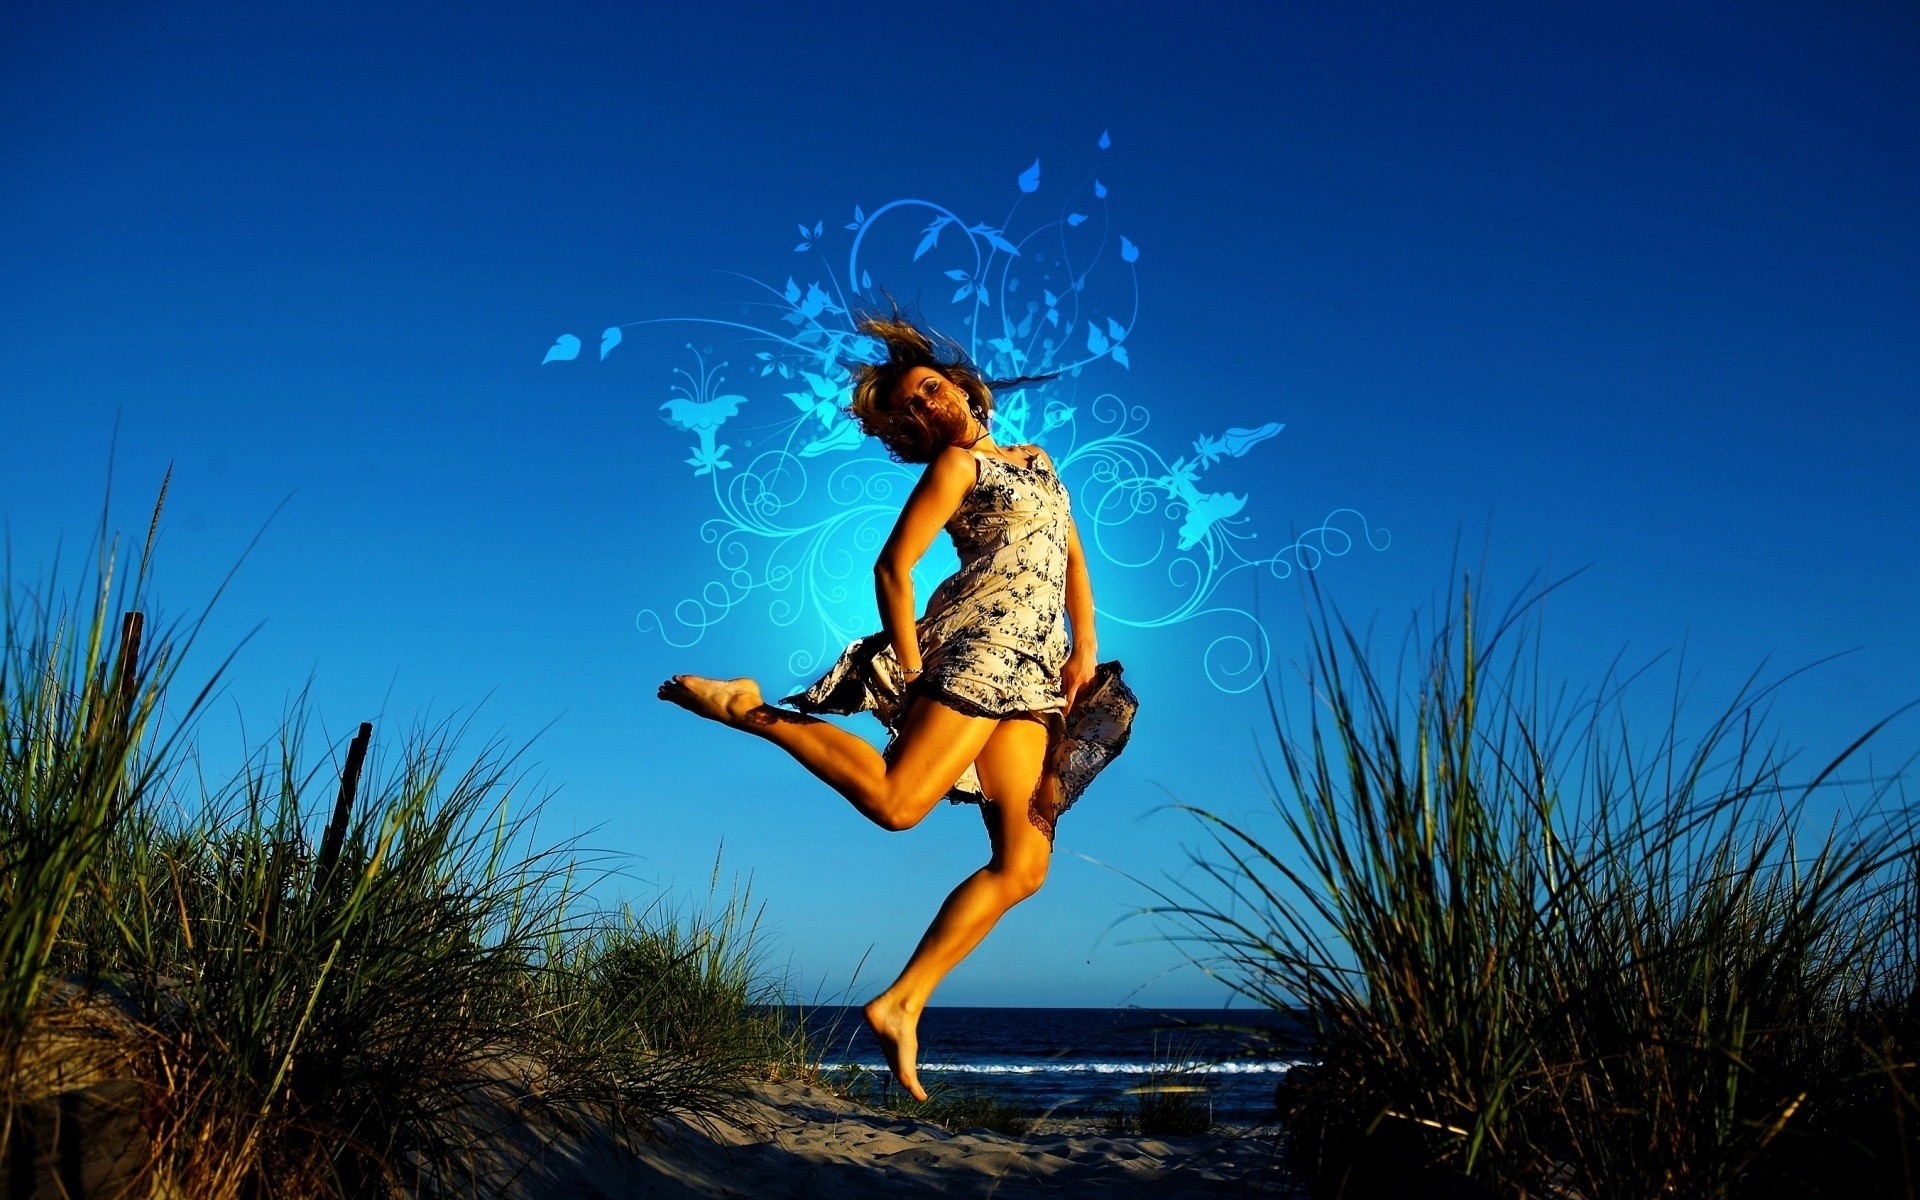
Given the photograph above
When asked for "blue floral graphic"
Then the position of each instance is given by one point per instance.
(800, 520)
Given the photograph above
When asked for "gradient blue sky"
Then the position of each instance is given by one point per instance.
(1631, 286)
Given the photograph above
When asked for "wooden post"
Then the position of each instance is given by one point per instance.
(343, 806)
(131, 626)
(80, 1144)
(127, 693)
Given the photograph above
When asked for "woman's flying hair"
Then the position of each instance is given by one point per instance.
(910, 433)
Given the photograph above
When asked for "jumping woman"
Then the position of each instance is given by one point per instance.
(993, 697)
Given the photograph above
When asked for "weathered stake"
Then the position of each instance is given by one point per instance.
(127, 692)
(130, 628)
(336, 835)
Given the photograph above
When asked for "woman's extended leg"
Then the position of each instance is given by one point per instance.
(934, 746)
(1009, 766)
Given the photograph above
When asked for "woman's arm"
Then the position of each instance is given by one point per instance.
(1079, 585)
(943, 485)
(1079, 600)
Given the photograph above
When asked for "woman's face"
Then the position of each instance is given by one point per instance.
(937, 396)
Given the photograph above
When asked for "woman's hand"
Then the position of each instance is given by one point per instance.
(1075, 675)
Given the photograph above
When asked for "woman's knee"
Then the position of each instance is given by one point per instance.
(1023, 874)
(905, 803)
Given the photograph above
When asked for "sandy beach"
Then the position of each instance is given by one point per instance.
(796, 1139)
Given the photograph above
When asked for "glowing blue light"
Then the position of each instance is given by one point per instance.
(808, 549)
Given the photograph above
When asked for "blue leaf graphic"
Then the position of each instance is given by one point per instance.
(866, 280)
(800, 247)
(609, 338)
(1075, 218)
(816, 301)
(960, 295)
(1120, 356)
(1239, 441)
(793, 290)
(927, 242)
(818, 226)
(1105, 141)
(565, 348)
(805, 232)
(859, 217)
(1128, 250)
(844, 436)
(1113, 328)
(1001, 244)
(1051, 298)
(1096, 341)
(1030, 178)
(1099, 189)
(956, 273)
(823, 387)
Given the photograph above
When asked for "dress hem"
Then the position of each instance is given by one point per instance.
(1066, 769)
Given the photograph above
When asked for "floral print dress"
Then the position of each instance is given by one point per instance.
(993, 640)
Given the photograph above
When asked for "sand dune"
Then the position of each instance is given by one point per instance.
(798, 1140)
(787, 1139)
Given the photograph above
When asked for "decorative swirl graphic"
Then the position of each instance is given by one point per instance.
(810, 553)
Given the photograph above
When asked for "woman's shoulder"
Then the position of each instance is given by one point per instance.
(954, 466)
(952, 457)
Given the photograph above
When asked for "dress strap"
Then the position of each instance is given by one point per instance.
(1033, 459)
(979, 471)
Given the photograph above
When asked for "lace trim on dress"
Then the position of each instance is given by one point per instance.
(1080, 744)
(921, 685)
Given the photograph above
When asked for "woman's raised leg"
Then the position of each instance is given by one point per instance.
(1009, 766)
(932, 750)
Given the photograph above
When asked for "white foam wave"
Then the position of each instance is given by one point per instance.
(1093, 1068)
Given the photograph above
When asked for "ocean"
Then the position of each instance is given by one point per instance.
(1079, 1062)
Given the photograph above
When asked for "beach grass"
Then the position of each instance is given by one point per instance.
(951, 1106)
(1174, 1097)
(1170, 1103)
(332, 970)
(1552, 956)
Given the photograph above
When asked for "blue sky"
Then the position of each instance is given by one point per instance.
(1628, 287)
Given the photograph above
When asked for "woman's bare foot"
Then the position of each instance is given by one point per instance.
(898, 1032)
(727, 701)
